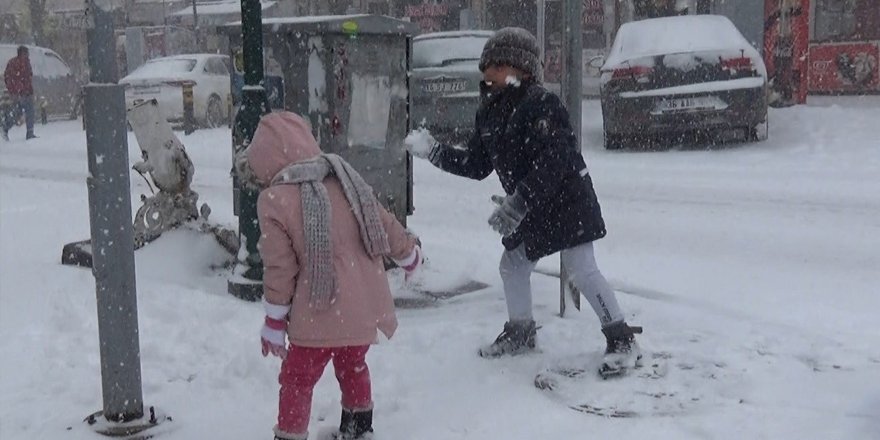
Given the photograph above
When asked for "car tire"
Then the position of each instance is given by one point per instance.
(759, 132)
(612, 141)
(214, 113)
(76, 111)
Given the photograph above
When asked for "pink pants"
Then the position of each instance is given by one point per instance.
(301, 371)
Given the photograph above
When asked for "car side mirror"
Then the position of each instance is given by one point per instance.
(596, 62)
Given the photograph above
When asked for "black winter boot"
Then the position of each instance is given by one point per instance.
(516, 338)
(355, 425)
(621, 352)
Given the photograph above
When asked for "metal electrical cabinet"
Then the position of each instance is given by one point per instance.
(349, 76)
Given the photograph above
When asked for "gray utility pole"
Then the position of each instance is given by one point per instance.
(542, 33)
(196, 30)
(111, 230)
(572, 91)
(572, 86)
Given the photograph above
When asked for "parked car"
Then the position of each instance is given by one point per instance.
(56, 89)
(446, 82)
(681, 74)
(163, 79)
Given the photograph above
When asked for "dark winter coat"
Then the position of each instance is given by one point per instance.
(524, 135)
(19, 77)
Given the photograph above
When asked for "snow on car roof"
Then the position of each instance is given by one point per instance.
(225, 7)
(310, 19)
(437, 52)
(668, 35)
(45, 62)
(455, 34)
(189, 56)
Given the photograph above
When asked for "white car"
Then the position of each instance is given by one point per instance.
(163, 79)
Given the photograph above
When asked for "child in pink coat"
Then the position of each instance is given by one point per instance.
(324, 236)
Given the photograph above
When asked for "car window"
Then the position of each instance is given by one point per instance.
(215, 66)
(442, 51)
(53, 67)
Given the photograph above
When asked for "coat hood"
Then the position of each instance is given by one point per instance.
(282, 138)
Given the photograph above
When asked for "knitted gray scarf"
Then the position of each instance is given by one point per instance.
(316, 218)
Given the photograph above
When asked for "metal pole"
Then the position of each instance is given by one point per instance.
(111, 226)
(574, 59)
(542, 19)
(247, 282)
(572, 89)
(196, 26)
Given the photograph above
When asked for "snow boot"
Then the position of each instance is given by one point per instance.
(282, 435)
(355, 425)
(622, 353)
(516, 338)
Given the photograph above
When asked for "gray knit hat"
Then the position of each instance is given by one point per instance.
(515, 47)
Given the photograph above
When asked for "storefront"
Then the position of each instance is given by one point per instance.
(821, 47)
(444, 15)
(844, 49)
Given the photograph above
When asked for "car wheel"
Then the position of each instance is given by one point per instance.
(613, 141)
(76, 111)
(214, 114)
(759, 132)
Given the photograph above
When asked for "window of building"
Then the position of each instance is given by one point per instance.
(841, 20)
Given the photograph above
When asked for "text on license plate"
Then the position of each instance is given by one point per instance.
(697, 103)
(444, 86)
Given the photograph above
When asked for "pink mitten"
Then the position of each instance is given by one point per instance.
(273, 336)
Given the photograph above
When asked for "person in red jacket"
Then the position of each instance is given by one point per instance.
(20, 85)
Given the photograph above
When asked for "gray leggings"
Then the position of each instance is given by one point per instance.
(579, 261)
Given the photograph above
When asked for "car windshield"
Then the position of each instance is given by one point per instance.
(442, 51)
(164, 68)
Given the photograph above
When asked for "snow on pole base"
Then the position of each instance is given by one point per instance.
(143, 428)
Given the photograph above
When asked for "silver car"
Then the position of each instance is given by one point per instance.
(56, 89)
(446, 82)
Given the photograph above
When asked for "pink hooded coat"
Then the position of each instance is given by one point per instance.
(363, 302)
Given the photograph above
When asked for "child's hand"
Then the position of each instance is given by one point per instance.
(273, 335)
(412, 263)
(421, 144)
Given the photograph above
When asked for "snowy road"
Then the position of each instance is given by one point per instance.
(753, 268)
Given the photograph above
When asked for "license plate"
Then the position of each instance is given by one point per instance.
(444, 86)
(150, 90)
(697, 103)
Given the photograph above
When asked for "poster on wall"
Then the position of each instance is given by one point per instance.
(594, 24)
(845, 68)
(429, 17)
(786, 43)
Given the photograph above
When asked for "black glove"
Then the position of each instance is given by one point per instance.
(509, 214)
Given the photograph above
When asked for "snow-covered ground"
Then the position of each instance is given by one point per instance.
(753, 268)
